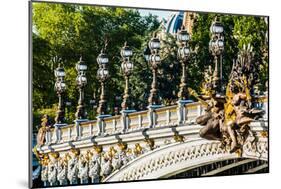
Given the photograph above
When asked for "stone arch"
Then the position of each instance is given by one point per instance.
(177, 157)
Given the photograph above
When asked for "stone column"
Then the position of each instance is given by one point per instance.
(152, 115)
(100, 124)
(57, 131)
(77, 127)
(181, 111)
(124, 119)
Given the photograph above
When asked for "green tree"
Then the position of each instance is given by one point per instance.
(70, 31)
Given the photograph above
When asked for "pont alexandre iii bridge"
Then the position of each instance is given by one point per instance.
(146, 145)
(224, 133)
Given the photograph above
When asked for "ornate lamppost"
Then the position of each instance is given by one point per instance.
(183, 38)
(60, 88)
(154, 61)
(81, 81)
(127, 68)
(216, 47)
(102, 75)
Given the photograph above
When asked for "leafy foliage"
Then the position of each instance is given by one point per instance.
(70, 31)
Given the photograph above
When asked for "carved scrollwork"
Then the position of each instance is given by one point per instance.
(83, 168)
(62, 170)
(72, 169)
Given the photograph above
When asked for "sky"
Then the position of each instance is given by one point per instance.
(161, 14)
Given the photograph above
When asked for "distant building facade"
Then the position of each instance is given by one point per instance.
(176, 20)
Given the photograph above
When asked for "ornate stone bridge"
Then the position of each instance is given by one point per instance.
(157, 143)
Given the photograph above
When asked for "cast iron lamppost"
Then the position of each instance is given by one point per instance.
(127, 69)
(102, 75)
(60, 88)
(183, 38)
(154, 61)
(216, 47)
(81, 81)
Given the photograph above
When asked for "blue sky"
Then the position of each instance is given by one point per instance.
(161, 14)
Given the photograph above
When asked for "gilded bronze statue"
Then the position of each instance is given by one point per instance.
(45, 126)
(227, 117)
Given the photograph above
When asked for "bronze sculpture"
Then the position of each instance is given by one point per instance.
(45, 126)
(227, 118)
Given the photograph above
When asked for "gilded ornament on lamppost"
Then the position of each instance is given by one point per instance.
(81, 81)
(102, 75)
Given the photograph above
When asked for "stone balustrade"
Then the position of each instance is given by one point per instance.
(164, 116)
(130, 137)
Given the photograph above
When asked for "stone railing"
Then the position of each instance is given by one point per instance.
(111, 145)
(161, 117)
(125, 123)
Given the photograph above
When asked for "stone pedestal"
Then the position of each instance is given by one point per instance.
(181, 111)
(58, 126)
(124, 119)
(101, 124)
(152, 114)
(77, 126)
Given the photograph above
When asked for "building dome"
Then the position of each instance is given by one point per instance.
(174, 22)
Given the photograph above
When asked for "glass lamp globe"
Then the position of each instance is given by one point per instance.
(212, 44)
(59, 72)
(183, 36)
(102, 58)
(155, 58)
(81, 66)
(60, 86)
(126, 51)
(154, 43)
(220, 44)
(68, 103)
(102, 73)
(216, 28)
(127, 67)
(81, 80)
(185, 52)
